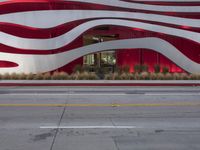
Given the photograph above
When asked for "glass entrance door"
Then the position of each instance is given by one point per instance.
(105, 60)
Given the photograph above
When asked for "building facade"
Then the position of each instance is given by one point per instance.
(46, 35)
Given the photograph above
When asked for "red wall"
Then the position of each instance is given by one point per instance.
(132, 57)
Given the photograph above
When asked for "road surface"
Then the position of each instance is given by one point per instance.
(104, 118)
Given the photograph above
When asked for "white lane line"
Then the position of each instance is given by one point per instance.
(47, 94)
(171, 94)
(87, 127)
(104, 94)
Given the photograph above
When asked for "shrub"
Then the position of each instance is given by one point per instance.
(168, 76)
(144, 68)
(38, 76)
(60, 76)
(165, 70)
(137, 68)
(176, 76)
(93, 76)
(137, 76)
(153, 76)
(157, 68)
(184, 76)
(195, 77)
(100, 72)
(85, 68)
(6, 76)
(160, 76)
(108, 76)
(14, 76)
(83, 76)
(55, 76)
(47, 76)
(63, 76)
(132, 76)
(117, 69)
(116, 76)
(30, 76)
(22, 76)
(74, 76)
(124, 76)
(126, 69)
(144, 76)
(77, 68)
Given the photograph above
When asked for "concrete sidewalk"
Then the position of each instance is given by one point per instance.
(99, 82)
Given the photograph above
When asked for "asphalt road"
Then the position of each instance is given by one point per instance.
(114, 118)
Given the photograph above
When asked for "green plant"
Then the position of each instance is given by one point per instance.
(125, 76)
(6, 76)
(55, 76)
(137, 68)
(153, 76)
(85, 68)
(83, 76)
(176, 76)
(137, 76)
(63, 76)
(116, 76)
(184, 76)
(132, 76)
(93, 76)
(144, 68)
(77, 68)
(144, 76)
(157, 68)
(194, 76)
(165, 70)
(108, 76)
(168, 76)
(126, 69)
(117, 69)
(74, 76)
(160, 76)
(14, 76)
(38, 76)
(22, 76)
(30, 76)
(47, 76)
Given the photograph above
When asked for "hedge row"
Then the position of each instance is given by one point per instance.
(94, 76)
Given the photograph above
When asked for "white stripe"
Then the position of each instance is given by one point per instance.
(118, 3)
(87, 127)
(104, 94)
(59, 17)
(172, 94)
(65, 39)
(46, 63)
(55, 94)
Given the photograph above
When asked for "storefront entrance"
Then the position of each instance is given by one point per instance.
(105, 60)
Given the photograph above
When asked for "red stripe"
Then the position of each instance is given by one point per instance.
(37, 33)
(7, 64)
(13, 7)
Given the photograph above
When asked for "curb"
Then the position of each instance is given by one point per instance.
(100, 83)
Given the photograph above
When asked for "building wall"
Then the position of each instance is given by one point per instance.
(42, 36)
